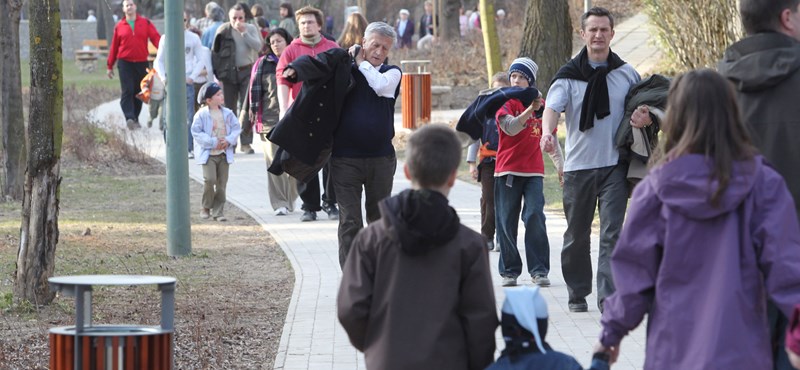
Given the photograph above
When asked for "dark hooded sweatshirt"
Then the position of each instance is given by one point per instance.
(765, 69)
(416, 289)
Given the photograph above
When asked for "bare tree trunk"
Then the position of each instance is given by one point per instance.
(449, 27)
(11, 114)
(547, 38)
(491, 42)
(39, 229)
(105, 21)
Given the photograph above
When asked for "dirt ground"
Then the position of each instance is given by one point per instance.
(232, 293)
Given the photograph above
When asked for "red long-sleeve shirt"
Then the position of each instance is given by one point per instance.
(129, 44)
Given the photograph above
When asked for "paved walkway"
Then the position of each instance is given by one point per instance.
(634, 44)
(312, 337)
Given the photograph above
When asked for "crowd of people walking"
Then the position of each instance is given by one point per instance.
(705, 249)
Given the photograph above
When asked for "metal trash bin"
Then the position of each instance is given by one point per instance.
(87, 346)
(416, 93)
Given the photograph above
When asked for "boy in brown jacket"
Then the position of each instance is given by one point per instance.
(416, 289)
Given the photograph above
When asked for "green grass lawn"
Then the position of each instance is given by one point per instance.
(73, 75)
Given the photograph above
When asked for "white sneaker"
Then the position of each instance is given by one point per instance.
(509, 281)
(283, 211)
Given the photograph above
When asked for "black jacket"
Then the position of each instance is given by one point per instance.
(487, 104)
(765, 68)
(652, 92)
(305, 134)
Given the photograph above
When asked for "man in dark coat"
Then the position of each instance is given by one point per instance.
(765, 68)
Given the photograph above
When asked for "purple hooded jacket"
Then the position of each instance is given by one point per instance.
(702, 273)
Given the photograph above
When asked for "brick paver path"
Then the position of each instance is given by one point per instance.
(312, 337)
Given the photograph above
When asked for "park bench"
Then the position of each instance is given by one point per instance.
(87, 56)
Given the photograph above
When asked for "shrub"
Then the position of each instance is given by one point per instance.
(89, 141)
(694, 34)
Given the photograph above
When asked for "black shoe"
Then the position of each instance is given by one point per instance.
(133, 124)
(578, 305)
(308, 216)
(331, 210)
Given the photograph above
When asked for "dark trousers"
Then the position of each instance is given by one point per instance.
(309, 191)
(130, 78)
(487, 200)
(777, 330)
(372, 175)
(236, 100)
(512, 193)
(605, 189)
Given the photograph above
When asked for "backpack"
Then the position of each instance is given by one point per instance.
(223, 55)
(151, 87)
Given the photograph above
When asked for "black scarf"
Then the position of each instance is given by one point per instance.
(595, 100)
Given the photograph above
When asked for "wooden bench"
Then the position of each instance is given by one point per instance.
(86, 58)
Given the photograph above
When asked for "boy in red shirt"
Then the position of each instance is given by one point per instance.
(519, 177)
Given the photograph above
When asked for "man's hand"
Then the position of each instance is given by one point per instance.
(189, 81)
(240, 25)
(222, 145)
(358, 53)
(110, 74)
(547, 142)
(473, 170)
(613, 352)
(641, 117)
(561, 178)
(289, 72)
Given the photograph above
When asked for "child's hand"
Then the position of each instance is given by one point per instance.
(613, 352)
(537, 103)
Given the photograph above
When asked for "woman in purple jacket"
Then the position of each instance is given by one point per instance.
(710, 234)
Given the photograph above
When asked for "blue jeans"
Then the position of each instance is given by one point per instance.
(190, 99)
(509, 193)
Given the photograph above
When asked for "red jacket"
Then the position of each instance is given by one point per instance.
(129, 44)
(295, 50)
(519, 154)
(793, 332)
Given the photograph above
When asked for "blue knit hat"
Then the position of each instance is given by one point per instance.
(526, 67)
(207, 91)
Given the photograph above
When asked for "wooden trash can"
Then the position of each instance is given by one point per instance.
(112, 347)
(415, 87)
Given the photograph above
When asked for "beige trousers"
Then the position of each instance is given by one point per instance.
(282, 189)
(215, 180)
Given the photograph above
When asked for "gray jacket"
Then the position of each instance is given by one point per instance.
(765, 69)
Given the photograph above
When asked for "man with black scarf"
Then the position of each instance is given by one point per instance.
(590, 89)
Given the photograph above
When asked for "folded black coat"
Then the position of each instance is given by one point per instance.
(305, 134)
(487, 104)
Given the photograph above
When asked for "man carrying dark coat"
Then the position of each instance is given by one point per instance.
(363, 155)
(765, 68)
